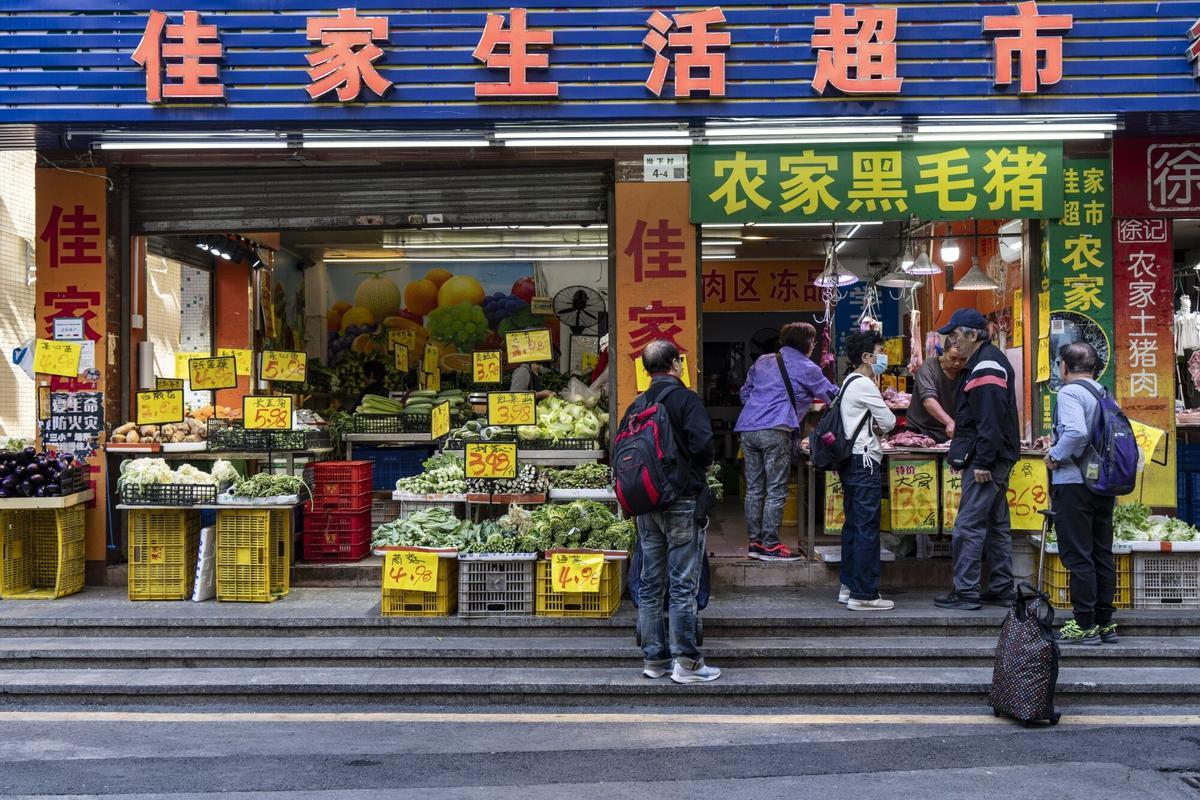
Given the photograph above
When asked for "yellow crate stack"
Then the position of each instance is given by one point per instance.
(163, 547)
(440, 603)
(41, 553)
(254, 554)
(601, 604)
(1056, 582)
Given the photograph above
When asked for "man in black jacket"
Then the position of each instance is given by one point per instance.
(986, 446)
(672, 540)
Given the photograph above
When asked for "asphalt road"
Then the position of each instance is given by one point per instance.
(532, 754)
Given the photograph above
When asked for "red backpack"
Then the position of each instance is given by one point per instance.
(647, 472)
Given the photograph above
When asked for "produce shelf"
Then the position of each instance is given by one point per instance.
(559, 444)
(46, 503)
(183, 495)
(439, 603)
(477, 498)
(558, 458)
(601, 495)
(389, 438)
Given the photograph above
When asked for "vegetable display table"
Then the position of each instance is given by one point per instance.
(42, 546)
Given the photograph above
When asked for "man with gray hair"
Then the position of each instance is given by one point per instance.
(986, 446)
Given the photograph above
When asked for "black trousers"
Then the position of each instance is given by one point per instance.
(1084, 525)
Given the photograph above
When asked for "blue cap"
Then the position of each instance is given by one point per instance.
(964, 318)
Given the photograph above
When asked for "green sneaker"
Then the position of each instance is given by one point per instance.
(1108, 634)
(1071, 633)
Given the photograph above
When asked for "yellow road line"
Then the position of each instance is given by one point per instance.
(575, 718)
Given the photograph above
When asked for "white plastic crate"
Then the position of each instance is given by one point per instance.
(383, 511)
(496, 585)
(1166, 580)
(412, 503)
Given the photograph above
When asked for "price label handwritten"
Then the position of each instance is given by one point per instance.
(181, 362)
(400, 352)
(410, 571)
(57, 358)
(431, 359)
(913, 490)
(284, 365)
(260, 412)
(159, 407)
(485, 366)
(527, 346)
(951, 497)
(1028, 493)
(406, 338)
(429, 381)
(576, 572)
(168, 383)
(835, 512)
(244, 358)
(213, 373)
(588, 361)
(512, 408)
(1148, 438)
(643, 377)
(491, 460)
(439, 420)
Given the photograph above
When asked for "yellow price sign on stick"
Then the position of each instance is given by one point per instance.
(244, 358)
(491, 460)
(512, 408)
(208, 374)
(1028, 494)
(431, 358)
(159, 407)
(400, 352)
(576, 572)
(429, 381)
(439, 421)
(181, 362)
(1018, 319)
(57, 358)
(267, 413)
(1148, 439)
(289, 366)
(643, 377)
(524, 347)
(168, 383)
(410, 571)
(486, 366)
(835, 510)
(407, 338)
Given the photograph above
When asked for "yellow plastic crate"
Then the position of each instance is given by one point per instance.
(1056, 582)
(162, 550)
(601, 604)
(254, 554)
(41, 553)
(442, 603)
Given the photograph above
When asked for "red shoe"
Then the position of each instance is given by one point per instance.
(779, 552)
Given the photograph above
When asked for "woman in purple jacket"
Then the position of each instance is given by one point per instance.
(770, 415)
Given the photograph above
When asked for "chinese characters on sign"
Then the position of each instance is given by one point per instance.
(485, 366)
(759, 286)
(524, 347)
(267, 413)
(1028, 494)
(517, 40)
(856, 50)
(56, 358)
(75, 423)
(73, 236)
(576, 572)
(1034, 41)
(159, 407)
(411, 571)
(190, 54)
(511, 408)
(349, 55)
(490, 460)
(768, 183)
(698, 68)
(913, 489)
(286, 366)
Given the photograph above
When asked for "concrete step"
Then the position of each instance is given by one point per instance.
(912, 652)
(862, 687)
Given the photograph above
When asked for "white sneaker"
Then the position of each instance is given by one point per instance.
(878, 604)
(702, 675)
(844, 595)
(656, 670)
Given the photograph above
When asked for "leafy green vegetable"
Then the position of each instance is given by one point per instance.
(584, 476)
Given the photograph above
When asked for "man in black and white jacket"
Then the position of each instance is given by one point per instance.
(986, 446)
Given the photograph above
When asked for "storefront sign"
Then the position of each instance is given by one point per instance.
(56, 358)
(660, 168)
(643, 377)
(576, 572)
(913, 491)
(159, 407)
(486, 366)
(75, 423)
(169, 383)
(1145, 346)
(511, 408)
(760, 286)
(811, 183)
(270, 413)
(655, 278)
(207, 374)
(835, 512)
(244, 358)
(491, 460)
(410, 571)
(951, 496)
(1028, 494)
(439, 421)
(1159, 177)
(285, 366)
(526, 347)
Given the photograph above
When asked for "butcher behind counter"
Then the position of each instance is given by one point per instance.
(935, 396)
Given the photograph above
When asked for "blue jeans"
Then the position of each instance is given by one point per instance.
(768, 457)
(672, 546)
(862, 496)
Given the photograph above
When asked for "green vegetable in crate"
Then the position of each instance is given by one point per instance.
(584, 476)
(434, 527)
(377, 404)
(266, 485)
(528, 481)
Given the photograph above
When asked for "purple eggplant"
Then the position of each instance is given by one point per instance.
(53, 490)
(37, 479)
(39, 491)
(25, 488)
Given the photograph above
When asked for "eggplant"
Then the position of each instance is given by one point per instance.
(5, 470)
(53, 490)
(25, 488)
(9, 483)
(4, 493)
(37, 479)
(39, 491)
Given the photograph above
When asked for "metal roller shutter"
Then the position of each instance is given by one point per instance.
(198, 200)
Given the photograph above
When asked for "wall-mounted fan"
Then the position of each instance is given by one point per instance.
(579, 308)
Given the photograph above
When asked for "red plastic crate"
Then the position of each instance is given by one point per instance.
(330, 495)
(337, 536)
(341, 470)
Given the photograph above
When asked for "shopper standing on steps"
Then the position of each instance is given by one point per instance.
(776, 396)
(985, 447)
(862, 477)
(1083, 519)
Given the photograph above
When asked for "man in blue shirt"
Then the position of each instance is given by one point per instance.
(1083, 519)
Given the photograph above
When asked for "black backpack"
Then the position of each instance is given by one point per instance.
(647, 471)
(828, 446)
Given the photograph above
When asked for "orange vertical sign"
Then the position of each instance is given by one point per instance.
(656, 286)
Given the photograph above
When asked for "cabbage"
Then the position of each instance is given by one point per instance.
(527, 433)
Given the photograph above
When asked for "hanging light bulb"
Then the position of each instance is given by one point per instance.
(899, 279)
(950, 251)
(907, 260)
(835, 275)
(976, 280)
(923, 265)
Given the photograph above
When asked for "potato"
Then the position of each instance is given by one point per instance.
(149, 430)
(133, 437)
(118, 437)
(176, 438)
(124, 429)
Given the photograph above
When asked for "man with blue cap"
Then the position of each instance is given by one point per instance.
(986, 446)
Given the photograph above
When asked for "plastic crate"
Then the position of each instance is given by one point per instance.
(163, 547)
(340, 495)
(601, 604)
(440, 603)
(559, 444)
(377, 423)
(332, 536)
(390, 464)
(383, 511)
(339, 470)
(933, 546)
(168, 494)
(499, 585)
(411, 504)
(253, 554)
(1166, 580)
(229, 436)
(41, 553)
(1187, 457)
(1056, 581)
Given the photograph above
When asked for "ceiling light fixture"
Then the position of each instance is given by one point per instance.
(950, 251)
(923, 265)
(976, 280)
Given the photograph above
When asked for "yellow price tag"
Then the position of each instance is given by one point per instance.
(1018, 319)
(400, 352)
(168, 383)
(491, 460)
(951, 497)
(208, 374)
(284, 365)
(1148, 438)
(485, 366)
(429, 381)
(1043, 360)
(159, 407)
(407, 338)
(267, 413)
(410, 571)
(181, 362)
(588, 361)
(913, 491)
(1028, 494)
(431, 359)
(57, 358)
(576, 572)
(643, 377)
(1043, 315)
(439, 420)
(244, 358)
(894, 348)
(527, 346)
(512, 408)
